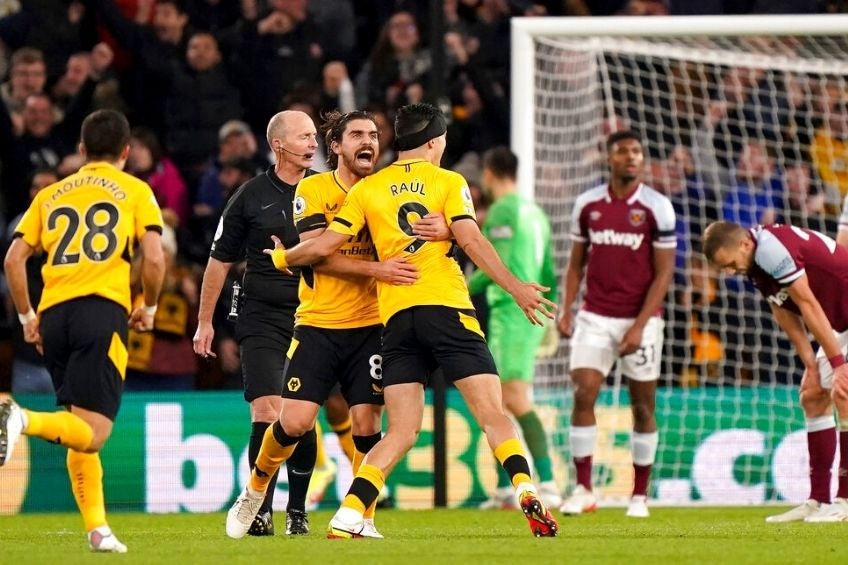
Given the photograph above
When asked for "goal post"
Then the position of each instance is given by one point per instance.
(743, 118)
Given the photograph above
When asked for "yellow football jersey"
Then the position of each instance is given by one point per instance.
(830, 158)
(327, 301)
(389, 202)
(88, 225)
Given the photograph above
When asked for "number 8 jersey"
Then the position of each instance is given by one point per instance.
(88, 225)
(389, 202)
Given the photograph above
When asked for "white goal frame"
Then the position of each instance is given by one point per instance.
(525, 30)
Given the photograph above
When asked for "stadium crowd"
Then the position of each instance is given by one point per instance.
(199, 80)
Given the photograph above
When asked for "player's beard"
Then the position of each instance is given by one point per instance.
(357, 168)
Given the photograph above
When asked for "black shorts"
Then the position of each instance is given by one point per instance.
(320, 358)
(264, 333)
(85, 350)
(419, 339)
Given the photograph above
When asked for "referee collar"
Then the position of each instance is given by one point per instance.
(282, 185)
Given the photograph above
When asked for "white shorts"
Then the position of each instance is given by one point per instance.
(825, 370)
(595, 342)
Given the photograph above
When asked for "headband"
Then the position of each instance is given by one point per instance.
(436, 127)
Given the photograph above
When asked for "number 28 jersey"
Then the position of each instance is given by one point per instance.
(88, 224)
(389, 202)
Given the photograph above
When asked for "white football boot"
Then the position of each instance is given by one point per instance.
(243, 511)
(638, 507)
(102, 540)
(836, 512)
(797, 514)
(370, 530)
(581, 501)
(12, 423)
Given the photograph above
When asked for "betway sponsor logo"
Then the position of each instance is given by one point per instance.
(779, 298)
(612, 237)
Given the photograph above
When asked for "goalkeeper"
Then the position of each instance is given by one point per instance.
(521, 234)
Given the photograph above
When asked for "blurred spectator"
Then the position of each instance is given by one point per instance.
(77, 70)
(333, 18)
(490, 41)
(699, 352)
(153, 48)
(804, 207)
(41, 144)
(829, 149)
(282, 49)
(670, 181)
(192, 128)
(53, 28)
(700, 202)
(397, 62)
(337, 92)
(726, 116)
(29, 375)
(27, 75)
(235, 141)
(754, 198)
(76, 73)
(386, 128)
(164, 358)
(148, 162)
(481, 108)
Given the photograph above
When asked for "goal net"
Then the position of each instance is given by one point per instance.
(741, 119)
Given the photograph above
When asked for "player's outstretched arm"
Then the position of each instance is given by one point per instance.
(15, 267)
(152, 277)
(526, 294)
(210, 290)
(306, 252)
(393, 271)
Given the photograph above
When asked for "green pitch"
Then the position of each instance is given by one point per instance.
(439, 537)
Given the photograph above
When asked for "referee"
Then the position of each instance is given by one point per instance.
(262, 207)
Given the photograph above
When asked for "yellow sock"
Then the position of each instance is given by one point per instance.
(320, 452)
(358, 458)
(343, 430)
(359, 496)
(86, 475)
(356, 463)
(63, 428)
(271, 456)
(511, 456)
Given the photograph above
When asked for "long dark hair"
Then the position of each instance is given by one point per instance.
(333, 128)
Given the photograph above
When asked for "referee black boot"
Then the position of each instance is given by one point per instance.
(297, 523)
(263, 525)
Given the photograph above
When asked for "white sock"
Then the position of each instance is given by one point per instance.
(643, 447)
(820, 423)
(582, 440)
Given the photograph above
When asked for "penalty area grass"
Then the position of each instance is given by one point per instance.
(670, 535)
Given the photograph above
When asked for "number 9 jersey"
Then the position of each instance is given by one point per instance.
(88, 225)
(389, 202)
